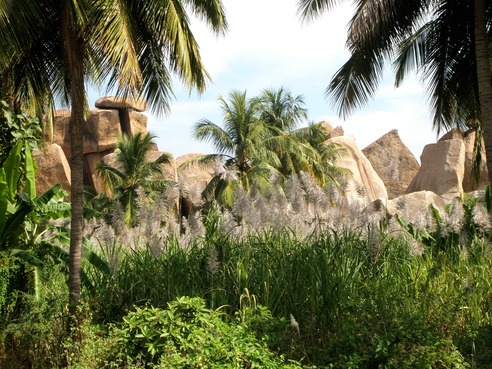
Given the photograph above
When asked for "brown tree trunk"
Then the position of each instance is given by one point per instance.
(484, 77)
(73, 60)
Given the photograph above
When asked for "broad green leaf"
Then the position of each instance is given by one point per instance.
(30, 175)
(3, 199)
(14, 222)
(11, 167)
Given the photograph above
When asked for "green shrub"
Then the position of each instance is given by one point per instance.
(187, 335)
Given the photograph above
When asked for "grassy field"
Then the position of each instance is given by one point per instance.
(384, 294)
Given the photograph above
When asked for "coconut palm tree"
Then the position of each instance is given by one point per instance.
(447, 41)
(49, 49)
(133, 172)
(254, 143)
(280, 109)
(239, 145)
(299, 150)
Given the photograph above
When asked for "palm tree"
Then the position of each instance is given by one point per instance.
(447, 41)
(280, 109)
(132, 173)
(257, 142)
(301, 150)
(239, 145)
(49, 49)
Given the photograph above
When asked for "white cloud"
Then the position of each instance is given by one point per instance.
(268, 47)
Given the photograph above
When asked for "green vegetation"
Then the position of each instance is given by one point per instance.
(258, 141)
(278, 270)
(131, 173)
(133, 46)
(232, 293)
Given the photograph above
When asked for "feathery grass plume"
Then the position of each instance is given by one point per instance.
(295, 194)
(360, 189)
(152, 230)
(416, 248)
(213, 263)
(481, 218)
(103, 236)
(335, 195)
(194, 227)
(123, 232)
(316, 198)
(374, 241)
(294, 324)
(243, 204)
(455, 218)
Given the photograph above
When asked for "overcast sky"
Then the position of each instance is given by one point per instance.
(268, 47)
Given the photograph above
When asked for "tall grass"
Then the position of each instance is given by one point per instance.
(359, 297)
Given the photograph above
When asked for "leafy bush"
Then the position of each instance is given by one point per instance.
(187, 335)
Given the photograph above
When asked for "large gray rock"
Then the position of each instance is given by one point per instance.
(364, 185)
(393, 162)
(470, 182)
(53, 168)
(442, 169)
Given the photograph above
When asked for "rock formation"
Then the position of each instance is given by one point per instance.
(52, 168)
(442, 169)
(470, 181)
(364, 185)
(382, 172)
(393, 162)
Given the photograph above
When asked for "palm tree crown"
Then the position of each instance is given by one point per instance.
(258, 141)
(133, 172)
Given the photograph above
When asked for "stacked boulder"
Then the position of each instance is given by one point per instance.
(112, 118)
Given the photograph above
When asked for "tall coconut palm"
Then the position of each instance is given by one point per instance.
(133, 172)
(280, 109)
(49, 49)
(257, 142)
(298, 150)
(239, 145)
(446, 40)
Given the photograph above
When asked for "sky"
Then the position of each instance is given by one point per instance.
(267, 46)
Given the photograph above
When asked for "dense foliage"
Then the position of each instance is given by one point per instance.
(351, 297)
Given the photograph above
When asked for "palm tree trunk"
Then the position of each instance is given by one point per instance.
(484, 77)
(77, 89)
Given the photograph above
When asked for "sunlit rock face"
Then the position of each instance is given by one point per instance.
(393, 162)
(471, 180)
(101, 131)
(52, 168)
(442, 169)
(363, 185)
